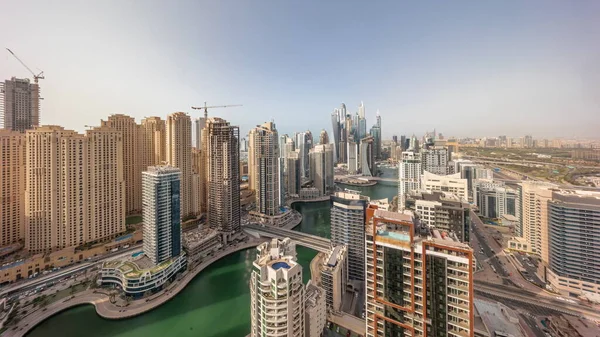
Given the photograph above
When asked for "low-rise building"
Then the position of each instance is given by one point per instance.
(200, 242)
(138, 276)
(309, 193)
(495, 319)
(334, 277)
(315, 312)
(571, 326)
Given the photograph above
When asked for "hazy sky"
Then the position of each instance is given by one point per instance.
(464, 67)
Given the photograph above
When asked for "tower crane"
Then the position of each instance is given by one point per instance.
(205, 107)
(37, 77)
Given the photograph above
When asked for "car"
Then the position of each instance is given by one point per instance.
(348, 333)
(328, 325)
(337, 330)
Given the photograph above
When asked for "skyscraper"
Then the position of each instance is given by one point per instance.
(132, 159)
(264, 168)
(376, 134)
(292, 175)
(367, 156)
(161, 213)
(221, 147)
(276, 291)
(409, 174)
(348, 212)
(573, 220)
(416, 284)
(321, 168)
(323, 137)
(199, 124)
(362, 122)
(12, 186)
(75, 191)
(153, 133)
(179, 154)
(20, 100)
(303, 150)
(352, 157)
(338, 121)
(534, 215)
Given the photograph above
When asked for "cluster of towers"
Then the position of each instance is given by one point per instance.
(352, 144)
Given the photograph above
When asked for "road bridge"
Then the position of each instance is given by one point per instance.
(359, 177)
(307, 240)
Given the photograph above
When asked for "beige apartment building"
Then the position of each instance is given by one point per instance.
(132, 159)
(12, 186)
(198, 182)
(535, 197)
(179, 154)
(75, 190)
(153, 138)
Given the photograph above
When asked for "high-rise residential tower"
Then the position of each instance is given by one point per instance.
(12, 186)
(435, 160)
(323, 137)
(321, 168)
(199, 124)
(264, 168)
(417, 282)
(276, 291)
(292, 175)
(573, 226)
(20, 101)
(132, 159)
(75, 191)
(153, 134)
(534, 215)
(409, 174)
(179, 154)
(161, 218)
(222, 150)
(348, 214)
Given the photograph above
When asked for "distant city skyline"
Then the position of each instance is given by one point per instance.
(468, 69)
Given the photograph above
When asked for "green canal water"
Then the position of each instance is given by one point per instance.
(215, 304)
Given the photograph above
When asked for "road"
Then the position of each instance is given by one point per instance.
(540, 299)
(311, 241)
(111, 311)
(491, 249)
(63, 272)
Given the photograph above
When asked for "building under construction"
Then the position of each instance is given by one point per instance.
(221, 145)
(19, 104)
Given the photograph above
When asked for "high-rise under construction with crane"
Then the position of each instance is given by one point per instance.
(20, 104)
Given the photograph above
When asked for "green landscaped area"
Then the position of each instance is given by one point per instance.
(133, 219)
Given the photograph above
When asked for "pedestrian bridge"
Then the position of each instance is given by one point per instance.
(307, 240)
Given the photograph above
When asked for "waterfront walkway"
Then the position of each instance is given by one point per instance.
(108, 310)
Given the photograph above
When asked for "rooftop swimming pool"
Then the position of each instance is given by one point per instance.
(279, 265)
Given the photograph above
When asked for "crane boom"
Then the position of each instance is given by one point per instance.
(205, 107)
(35, 77)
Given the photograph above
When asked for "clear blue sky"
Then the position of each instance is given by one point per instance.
(467, 68)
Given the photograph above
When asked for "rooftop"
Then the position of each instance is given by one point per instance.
(135, 266)
(195, 237)
(498, 318)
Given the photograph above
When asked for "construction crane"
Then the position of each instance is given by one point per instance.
(37, 77)
(205, 108)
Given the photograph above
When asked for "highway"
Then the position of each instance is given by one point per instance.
(540, 299)
(307, 240)
(64, 272)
